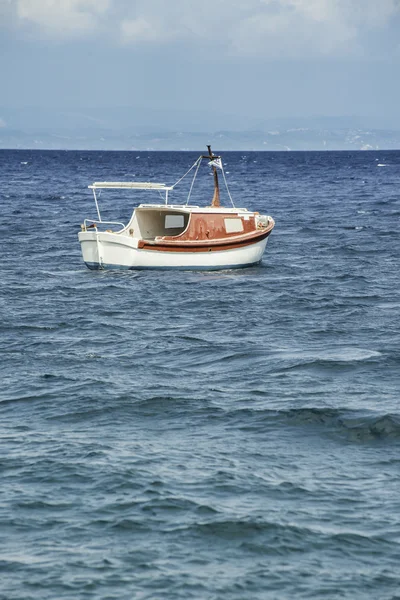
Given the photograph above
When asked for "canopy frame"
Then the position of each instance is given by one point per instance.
(127, 185)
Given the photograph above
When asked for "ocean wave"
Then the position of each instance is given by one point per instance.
(346, 354)
(353, 425)
(322, 360)
(240, 429)
(270, 536)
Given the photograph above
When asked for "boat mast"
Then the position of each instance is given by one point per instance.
(215, 201)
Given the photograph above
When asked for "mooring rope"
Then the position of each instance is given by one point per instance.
(194, 178)
(226, 185)
(198, 160)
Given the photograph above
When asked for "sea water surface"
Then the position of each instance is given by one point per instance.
(193, 435)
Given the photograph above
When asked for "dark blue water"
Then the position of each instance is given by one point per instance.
(230, 435)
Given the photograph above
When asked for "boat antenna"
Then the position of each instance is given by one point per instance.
(212, 157)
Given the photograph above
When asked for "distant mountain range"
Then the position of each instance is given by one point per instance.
(144, 129)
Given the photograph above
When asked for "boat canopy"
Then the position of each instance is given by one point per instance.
(130, 185)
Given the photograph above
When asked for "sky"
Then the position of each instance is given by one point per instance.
(242, 60)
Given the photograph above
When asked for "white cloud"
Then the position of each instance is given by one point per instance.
(371, 12)
(275, 27)
(299, 28)
(178, 20)
(140, 30)
(62, 17)
(289, 28)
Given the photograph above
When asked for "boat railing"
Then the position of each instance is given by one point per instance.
(94, 224)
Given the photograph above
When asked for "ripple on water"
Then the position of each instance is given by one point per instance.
(202, 435)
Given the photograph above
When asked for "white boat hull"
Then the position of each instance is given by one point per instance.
(105, 250)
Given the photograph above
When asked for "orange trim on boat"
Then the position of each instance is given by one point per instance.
(205, 245)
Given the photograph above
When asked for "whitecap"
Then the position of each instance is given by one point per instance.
(381, 165)
(349, 354)
(345, 354)
(25, 162)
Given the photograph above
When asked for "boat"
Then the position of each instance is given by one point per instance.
(176, 236)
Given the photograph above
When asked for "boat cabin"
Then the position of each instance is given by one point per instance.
(149, 222)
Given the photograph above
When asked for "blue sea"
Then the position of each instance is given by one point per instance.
(230, 435)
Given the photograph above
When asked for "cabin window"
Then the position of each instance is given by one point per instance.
(173, 221)
(233, 225)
